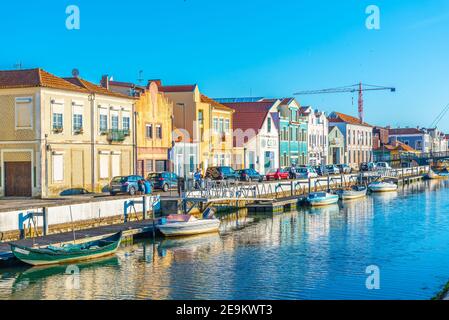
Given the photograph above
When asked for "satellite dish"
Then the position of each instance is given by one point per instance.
(75, 73)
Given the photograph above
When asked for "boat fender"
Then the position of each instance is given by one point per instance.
(162, 221)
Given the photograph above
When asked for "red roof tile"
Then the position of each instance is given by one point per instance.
(92, 87)
(249, 115)
(214, 103)
(341, 117)
(34, 78)
(404, 131)
(181, 88)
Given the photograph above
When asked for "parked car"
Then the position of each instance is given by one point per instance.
(383, 165)
(249, 175)
(321, 170)
(278, 174)
(163, 180)
(344, 168)
(222, 173)
(332, 169)
(306, 173)
(367, 166)
(124, 184)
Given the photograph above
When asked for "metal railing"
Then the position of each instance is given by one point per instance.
(115, 135)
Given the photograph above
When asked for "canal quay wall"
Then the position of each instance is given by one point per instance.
(36, 218)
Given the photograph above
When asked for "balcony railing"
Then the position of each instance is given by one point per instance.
(117, 135)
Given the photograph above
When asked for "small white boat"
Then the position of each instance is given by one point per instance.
(317, 199)
(356, 192)
(187, 225)
(382, 186)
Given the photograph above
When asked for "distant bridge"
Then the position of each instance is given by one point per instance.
(423, 159)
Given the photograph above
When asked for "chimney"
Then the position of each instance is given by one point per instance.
(105, 81)
(157, 81)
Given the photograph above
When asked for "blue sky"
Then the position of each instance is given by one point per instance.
(237, 48)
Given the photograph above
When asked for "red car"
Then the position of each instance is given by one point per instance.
(277, 174)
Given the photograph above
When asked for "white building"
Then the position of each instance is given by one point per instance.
(318, 131)
(256, 134)
(358, 138)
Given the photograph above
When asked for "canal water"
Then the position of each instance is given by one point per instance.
(310, 254)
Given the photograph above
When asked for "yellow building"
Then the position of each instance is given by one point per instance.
(154, 116)
(58, 135)
(219, 140)
(207, 126)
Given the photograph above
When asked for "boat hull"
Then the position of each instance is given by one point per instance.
(177, 229)
(379, 189)
(321, 202)
(44, 257)
(352, 195)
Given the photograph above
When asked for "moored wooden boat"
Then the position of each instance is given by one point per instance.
(382, 186)
(187, 225)
(356, 192)
(69, 253)
(318, 199)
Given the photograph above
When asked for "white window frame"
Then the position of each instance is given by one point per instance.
(57, 177)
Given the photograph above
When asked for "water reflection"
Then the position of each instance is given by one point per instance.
(316, 253)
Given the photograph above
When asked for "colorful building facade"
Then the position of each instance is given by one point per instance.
(154, 117)
(256, 135)
(293, 144)
(61, 135)
(358, 137)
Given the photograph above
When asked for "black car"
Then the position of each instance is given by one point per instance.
(222, 173)
(344, 168)
(367, 166)
(249, 175)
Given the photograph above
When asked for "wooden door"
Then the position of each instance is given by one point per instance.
(18, 179)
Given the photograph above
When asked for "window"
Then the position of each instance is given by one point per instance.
(158, 131)
(58, 167)
(227, 125)
(115, 165)
(104, 166)
(192, 163)
(161, 165)
(126, 123)
(114, 122)
(149, 166)
(103, 122)
(215, 125)
(57, 121)
(269, 125)
(24, 113)
(77, 122)
(200, 117)
(149, 131)
(221, 126)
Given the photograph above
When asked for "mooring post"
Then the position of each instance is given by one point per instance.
(328, 183)
(291, 188)
(45, 221)
(144, 207)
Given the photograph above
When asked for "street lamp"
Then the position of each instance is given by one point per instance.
(184, 152)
